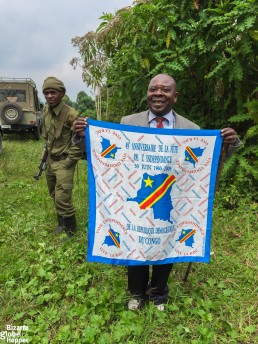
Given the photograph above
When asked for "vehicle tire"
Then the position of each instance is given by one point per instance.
(11, 113)
(36, 132)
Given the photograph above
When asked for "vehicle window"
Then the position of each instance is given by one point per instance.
(20, 95)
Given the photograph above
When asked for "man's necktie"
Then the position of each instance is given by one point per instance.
(159, 121)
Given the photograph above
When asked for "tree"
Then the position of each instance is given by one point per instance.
(209, 47)
(68, 101)
(84, 103)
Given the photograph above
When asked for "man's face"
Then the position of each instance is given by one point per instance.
(161, 94)
(53, 97)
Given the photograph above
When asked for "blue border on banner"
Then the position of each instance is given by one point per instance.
(92, 191)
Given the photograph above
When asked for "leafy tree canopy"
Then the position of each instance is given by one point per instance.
(208, 46)
(84, 104)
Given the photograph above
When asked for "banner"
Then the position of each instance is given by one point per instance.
(150, 193)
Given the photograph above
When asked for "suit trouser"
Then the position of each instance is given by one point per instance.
(157, 289)
(59, 178)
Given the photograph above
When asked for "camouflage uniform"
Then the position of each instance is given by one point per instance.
(62, 158)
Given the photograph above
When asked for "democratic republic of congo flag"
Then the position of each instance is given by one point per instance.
(155, 193)
(151, 193)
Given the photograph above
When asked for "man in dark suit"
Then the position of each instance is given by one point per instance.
(161, 96)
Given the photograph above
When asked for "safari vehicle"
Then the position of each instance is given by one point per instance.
(20, 108)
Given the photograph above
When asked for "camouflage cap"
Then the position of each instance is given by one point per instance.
(54, 83)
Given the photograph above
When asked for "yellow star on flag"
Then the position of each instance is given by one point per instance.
(148, 182)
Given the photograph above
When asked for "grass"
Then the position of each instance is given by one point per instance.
(50, 287)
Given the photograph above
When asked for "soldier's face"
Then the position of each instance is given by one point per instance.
(53, 97)
(161, 94)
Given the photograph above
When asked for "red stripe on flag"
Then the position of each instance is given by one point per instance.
(106, 151)
(192, 154)
(158, 192)
(114, 239)
(188, 236)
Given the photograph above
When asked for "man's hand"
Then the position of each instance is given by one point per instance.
(79, 126)
(229, 135)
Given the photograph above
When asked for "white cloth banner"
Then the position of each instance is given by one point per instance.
(150, 193)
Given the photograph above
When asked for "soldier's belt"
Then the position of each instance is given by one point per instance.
(58, 157)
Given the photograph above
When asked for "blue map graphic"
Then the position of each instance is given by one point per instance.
(196, 153)
(189, 241)
(113, 239)
(163, 205)
(105, 144)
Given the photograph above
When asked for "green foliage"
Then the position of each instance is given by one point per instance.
(242, 167)
(68, 101)
(84, 103)
(209, 47)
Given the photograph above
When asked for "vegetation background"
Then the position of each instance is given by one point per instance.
(210, 47)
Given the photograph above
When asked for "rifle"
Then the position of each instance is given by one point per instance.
(42, 163)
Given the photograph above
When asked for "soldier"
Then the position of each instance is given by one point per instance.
(62, 153)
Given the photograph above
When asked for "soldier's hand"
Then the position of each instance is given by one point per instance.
(79, 126)
(228, 135)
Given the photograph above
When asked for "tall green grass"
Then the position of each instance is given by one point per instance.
(49, 286)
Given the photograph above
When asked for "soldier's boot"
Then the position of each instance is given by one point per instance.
(60, 225)
(70, 225)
